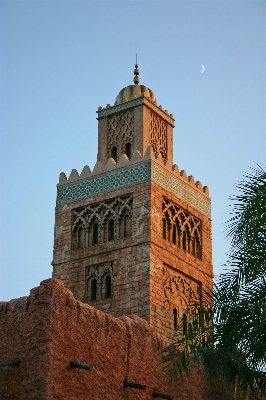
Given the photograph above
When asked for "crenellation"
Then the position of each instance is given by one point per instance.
(111, 164)
(62, 178)
(98, 168)
(183, 174)
(123, 162)
(191, 180)
(74, 175)
(136, 156)
(199, 185)
(86, 172)
(206, 190)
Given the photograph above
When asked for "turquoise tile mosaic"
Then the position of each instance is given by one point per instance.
(129, 176)
(104, 183)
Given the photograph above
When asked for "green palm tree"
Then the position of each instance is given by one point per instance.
(226, 335)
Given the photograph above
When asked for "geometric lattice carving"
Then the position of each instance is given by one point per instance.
(102, 222)
(158, 135)
(98, 275)
(181, 228)
(120, 132)
(182, 293)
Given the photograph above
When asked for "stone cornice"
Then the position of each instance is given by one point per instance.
(133, 103)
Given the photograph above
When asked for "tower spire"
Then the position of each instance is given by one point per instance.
(136, 72)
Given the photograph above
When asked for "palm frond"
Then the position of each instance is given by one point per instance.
(226, 335)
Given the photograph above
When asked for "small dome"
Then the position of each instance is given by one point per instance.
(132, 92)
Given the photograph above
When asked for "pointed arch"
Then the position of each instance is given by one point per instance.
(80, 237)
(107, 285)
(114, 153)
(95, 233)
(128, 150)
(127, 226)
(111, 230)
(175, 317)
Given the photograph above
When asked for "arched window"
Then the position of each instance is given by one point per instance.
(114, 153)
(175, 317)
(184, 323)
(80, 244)
(193, 246)
(93, 289)
(127, 226)
(111, 230)
(188, 242)
(95, 236)
(174, 235)
(184, 241)
(164, 228)
(197, 248)
(108, 286)
(179, 236)
(128, 150)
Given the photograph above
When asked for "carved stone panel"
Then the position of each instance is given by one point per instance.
(93, 224)
(181, 293)
(120, 132)
(181, 228)
(158, 135)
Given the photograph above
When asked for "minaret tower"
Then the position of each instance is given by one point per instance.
(133, 236)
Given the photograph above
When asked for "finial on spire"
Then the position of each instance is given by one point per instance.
(136, 71)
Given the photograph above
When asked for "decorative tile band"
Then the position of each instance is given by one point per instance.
(179, 189)
(133, 103)
(104, 183)
(129, 176)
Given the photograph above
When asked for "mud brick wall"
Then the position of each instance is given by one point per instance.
(50, 328)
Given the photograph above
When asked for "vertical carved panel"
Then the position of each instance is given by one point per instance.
(181, 293)
(120, 132)
(158, 135)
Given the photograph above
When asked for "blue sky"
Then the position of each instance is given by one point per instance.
(60, 60)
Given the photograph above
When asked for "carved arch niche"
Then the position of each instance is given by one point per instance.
(102, 222)
(180, 293)
(99, 281)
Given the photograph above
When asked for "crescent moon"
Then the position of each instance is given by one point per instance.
(202, 68)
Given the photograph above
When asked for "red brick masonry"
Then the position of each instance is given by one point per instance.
(50, 328)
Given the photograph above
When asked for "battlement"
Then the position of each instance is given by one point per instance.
(111, 165)
(125, 173)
